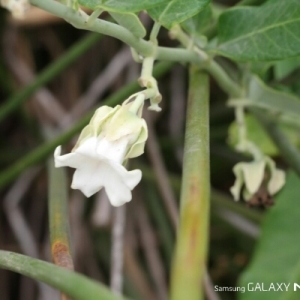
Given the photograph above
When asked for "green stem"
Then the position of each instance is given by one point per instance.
(145, 48)
(58, 216)
(46, 149)
(225, 82)
(289, 152)
(191, 249)
(48, 74)
(137, 103)
(95, 14)
(73, 284)
(154, 32)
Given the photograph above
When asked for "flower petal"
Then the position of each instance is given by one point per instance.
(276, 182)
(72, 160)
(137, 148)
(112, 150)
(254, 175)
(88, 178)
(118, 185)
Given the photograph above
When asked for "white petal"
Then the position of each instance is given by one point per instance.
(276, 182)
(88, 148)
(119, 183)
(113, 150)
(235, 190)
(68, 160)
(254, 175)
(133, 178)
(88, 178)
(94, 170)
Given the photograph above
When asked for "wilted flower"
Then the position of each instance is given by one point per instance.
(251, 175)
(112, 136)
(18, 8)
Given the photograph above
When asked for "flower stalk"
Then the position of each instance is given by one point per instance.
(192, 236)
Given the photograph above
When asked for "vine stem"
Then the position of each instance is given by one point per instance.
(144, 48)
(189, 262)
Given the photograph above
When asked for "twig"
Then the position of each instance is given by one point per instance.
(84, 257)
(239, 222)
(45, 99)
(161, 174)
(153, 258)
(209, 288)
(116, 276)
(137, 275)
(98, 87)
(102, 213)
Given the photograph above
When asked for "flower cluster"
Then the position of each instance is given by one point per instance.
(112, 136)
(18, 8)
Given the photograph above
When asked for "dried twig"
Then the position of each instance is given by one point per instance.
(98, 87)
(116, 275)
(161, 173)
(209, 288)
(239, 222)
(136, 274)
(153, 258)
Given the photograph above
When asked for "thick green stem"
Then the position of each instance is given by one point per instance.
(191, 248)
(59, 216)
(48, 74)
(73, 284)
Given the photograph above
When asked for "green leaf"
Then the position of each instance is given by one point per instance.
(73, 284)
(198, 23)
(291, 295)
(121, 5)
(285, 67)
(131, 22)
(268, 32)
(261, 95)
(173, 12)
(277, 253)
(257, 134)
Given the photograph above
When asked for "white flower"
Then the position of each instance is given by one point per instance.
(251, 175)
(18, 8)
(112, 136)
